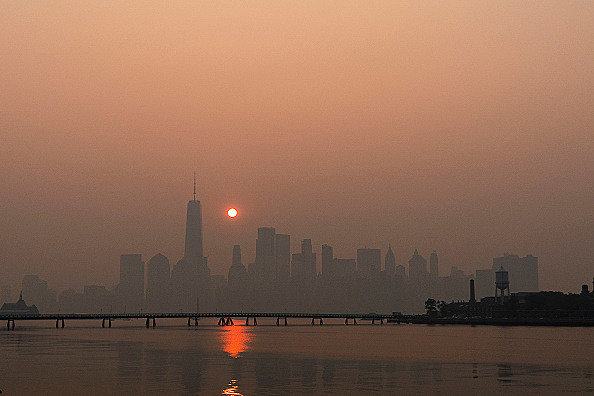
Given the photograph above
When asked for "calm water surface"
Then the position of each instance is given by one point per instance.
(298, 359)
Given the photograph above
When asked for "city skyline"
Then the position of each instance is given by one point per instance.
(296, 197)
(460, 127)
(278, 280)
(193, 250)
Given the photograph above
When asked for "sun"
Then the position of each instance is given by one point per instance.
(232, 212)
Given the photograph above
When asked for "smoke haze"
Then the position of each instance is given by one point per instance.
(464, 127)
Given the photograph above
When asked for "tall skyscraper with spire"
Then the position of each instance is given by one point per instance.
(190, 276)
(194, 253)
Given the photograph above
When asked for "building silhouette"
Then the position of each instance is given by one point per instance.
(282, 248)
(345, 267)
(190, 278)
(369, 262)
(278, 281)
(193, 251)
(434, 266)
(390, 262)
(484, 280)
(158, 277)
(237, 276)
(131, 287)
(19, 307)
(328, 269)
(417, 268)
(266, 254)
(238, 285)
(303, 264)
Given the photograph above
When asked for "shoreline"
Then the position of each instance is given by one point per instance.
(578, 322)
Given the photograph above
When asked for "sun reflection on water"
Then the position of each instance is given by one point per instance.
(232, 389)
(235, 340)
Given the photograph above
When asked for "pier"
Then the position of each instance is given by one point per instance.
(225, 318)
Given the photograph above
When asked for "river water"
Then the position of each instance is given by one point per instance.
(84, 358)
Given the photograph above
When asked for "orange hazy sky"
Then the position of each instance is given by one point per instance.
(465, 127)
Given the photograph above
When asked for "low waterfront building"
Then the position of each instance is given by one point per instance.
(19, 307)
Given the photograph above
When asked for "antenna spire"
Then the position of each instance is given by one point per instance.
(194, 185)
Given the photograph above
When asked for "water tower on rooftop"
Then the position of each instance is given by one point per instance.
(501, 284)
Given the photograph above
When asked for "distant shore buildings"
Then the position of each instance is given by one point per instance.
(278, 280)
(519, 307)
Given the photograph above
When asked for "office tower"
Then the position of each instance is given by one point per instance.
(265, 252)
(282, 248)
(190, 278)
(309, 258)
(522, 271)
(236, 258)
(484, 280)
(369, 262)
(158, 273)
(434, 266)
(193, 253)
(344, 267)
(417, 268)
(327, 262)
(131, 287)
(237, 277)
(303, 265)
(390, 262)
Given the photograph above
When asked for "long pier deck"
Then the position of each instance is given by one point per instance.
(225, 318)
(251, 318)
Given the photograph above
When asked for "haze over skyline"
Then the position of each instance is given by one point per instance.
(462, 127)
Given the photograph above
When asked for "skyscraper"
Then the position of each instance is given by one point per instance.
(265, 252)
(344, 267)
(434, 266)
(390, 262)
(193, 253)
(303, 265)
(485, 278)
(282, 249)
(131, 288)
(417, 268)
(369, 262)
(158, 273)
(191, 276)
(327, 261)
(309, 259)
(238, 283)
(237, 273)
